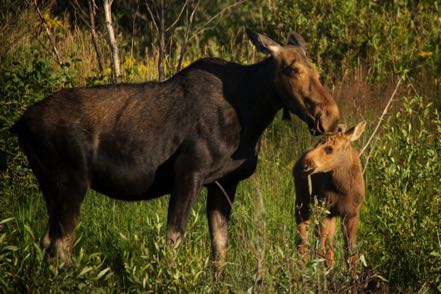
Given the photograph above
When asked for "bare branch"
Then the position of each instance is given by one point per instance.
(156, 10)
(204, 27)
(187, 35)
(225, 193)
(380, 120)
(369, 156)
(179, 16)
(49, 34)
(83, 15)
(154, 20)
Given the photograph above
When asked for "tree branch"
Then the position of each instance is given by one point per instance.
(380, 120)
(204, 27)
(187, 35)
(49, 34)
(178, 18)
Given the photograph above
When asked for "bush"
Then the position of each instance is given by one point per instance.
(405, 212)
(347, 34)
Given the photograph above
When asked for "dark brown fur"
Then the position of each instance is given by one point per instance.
(141, 141)
(336, 177)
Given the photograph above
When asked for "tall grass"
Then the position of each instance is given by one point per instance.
(120, 246)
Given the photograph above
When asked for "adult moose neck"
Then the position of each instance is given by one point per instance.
(258, 102)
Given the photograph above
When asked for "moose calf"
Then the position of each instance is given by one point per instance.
(337, 179)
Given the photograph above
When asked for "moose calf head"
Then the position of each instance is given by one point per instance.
(332, 151)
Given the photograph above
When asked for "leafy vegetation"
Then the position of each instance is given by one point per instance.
(360, 48)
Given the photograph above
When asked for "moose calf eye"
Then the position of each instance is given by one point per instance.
(328, 149)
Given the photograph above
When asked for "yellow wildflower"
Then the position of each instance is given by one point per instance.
(129, 62)
(425, 54)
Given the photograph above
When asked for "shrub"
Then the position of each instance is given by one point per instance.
(405, 212)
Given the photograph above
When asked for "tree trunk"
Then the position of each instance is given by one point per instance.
(113, 46)
(161, 43)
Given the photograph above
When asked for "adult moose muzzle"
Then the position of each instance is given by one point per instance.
(140, 141)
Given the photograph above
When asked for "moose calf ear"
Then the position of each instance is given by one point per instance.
(355, 132)
(296, 39)
(263, 43)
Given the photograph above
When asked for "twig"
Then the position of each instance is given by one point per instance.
(225, 193)
(381, 117)
(178, 18)
(216, 16)
(263, 237)
(186, 35)
(367, 159)
(49, 34)
(152, 16)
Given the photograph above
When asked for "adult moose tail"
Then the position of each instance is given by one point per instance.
(15, 130)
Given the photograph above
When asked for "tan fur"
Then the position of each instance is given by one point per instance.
(336, 174)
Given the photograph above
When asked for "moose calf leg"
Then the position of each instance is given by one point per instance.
(327, 233)
(218, 213)
(350, 232)
(302, 248)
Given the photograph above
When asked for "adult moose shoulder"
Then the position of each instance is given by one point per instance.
(140, 141)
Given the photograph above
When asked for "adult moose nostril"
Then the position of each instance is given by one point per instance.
(319, 126)
(308, 166)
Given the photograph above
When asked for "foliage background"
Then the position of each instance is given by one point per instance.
(361, 49)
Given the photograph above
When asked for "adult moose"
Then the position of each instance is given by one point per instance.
(140, 141)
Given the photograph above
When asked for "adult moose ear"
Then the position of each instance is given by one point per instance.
(263, 43)
(355, 132)
(296, 39)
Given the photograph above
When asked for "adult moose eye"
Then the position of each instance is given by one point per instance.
(291, 72)
(328, 149)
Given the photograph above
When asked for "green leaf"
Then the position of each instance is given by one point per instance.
(85, 270)
(102, 273)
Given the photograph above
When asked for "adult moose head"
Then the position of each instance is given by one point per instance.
(141, 141)
(297, 82)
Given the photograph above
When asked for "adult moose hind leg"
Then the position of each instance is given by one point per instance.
(63, 201)
(63, 190)
(188, 182)
(219, 200)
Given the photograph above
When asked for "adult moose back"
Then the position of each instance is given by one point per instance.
(140, 141)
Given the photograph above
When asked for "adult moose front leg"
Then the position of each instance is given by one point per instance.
(218, 213)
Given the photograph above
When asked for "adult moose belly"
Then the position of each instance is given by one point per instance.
(129, 168)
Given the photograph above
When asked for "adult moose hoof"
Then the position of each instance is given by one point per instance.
(59, 249)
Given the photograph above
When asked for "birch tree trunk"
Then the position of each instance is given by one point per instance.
(113, 46)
